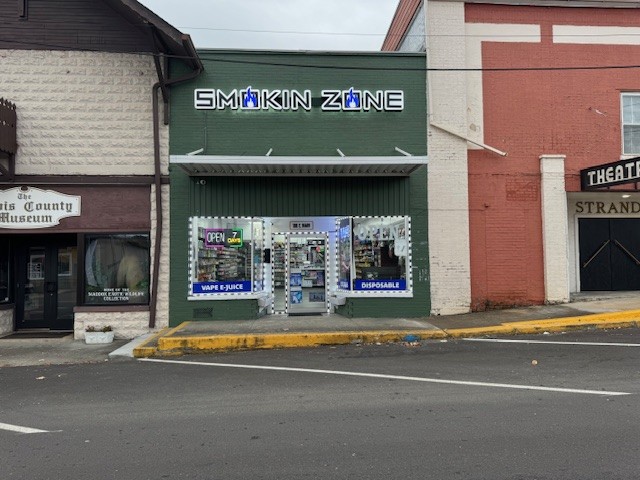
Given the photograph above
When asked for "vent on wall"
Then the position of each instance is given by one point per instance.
(203, 313)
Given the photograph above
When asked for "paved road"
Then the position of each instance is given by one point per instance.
(441, 410)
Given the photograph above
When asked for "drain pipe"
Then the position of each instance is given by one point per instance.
(157, 177)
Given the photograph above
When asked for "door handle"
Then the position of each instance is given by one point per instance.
(627, 252)
(595, 254)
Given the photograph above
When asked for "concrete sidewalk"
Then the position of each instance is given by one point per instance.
(591, 310)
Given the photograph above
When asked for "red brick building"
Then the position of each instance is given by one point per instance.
(522, 98)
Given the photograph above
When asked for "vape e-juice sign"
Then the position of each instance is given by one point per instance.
(241, 286)
(279, 100)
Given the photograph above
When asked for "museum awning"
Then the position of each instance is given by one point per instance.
(204, 165)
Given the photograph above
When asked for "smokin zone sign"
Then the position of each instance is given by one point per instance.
(28, 207)
(351, 100)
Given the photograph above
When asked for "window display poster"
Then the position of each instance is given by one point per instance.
(295, 279)
(296, 297)
(344, 254)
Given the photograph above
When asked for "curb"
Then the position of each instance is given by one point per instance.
(145, 350)
(169, 345)
(218, 343)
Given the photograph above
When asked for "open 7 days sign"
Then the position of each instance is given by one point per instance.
(350, 100)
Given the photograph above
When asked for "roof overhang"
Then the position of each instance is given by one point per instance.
(205, 165)
(172, 40)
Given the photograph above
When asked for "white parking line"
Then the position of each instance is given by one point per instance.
(391, 377)
(19, 429)
(549, 342)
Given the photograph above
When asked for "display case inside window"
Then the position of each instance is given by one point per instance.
(117, 269)
(381, 253)
(226, 256)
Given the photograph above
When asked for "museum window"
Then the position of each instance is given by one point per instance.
(117, 269)
(630, 123)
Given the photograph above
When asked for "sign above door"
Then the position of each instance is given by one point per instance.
(30, 207)
(610, 174)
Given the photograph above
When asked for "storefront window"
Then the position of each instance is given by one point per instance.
(117, 269)
(226, 256)
(381, 254)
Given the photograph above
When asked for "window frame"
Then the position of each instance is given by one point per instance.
(83, 290)
(623, 124)
(256, 251)
(351, 292)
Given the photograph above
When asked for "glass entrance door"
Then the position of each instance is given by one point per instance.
(299, 273)
(46, 274)
(307, 274)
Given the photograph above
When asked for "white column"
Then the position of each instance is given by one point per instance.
(449, 255)
(555, 231)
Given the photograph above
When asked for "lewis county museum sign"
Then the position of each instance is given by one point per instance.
(29, 207)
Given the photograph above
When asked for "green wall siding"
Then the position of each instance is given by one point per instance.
(299, 134)
(229, 132)
(305, 196)
(284, 197)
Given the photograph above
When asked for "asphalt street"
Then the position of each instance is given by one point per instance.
(565, 407)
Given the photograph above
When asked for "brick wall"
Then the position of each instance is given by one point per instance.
(530, 113)
(6, 321)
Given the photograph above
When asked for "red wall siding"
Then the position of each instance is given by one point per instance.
(530, 113)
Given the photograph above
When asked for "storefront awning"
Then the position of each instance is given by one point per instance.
(204, 165)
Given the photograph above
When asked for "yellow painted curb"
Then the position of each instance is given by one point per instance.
(145, 351)
(503, 329)
(214, 343)
(168, 343)
(582, 320)
(629, 318)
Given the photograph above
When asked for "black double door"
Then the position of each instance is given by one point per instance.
(46, 281)
(609, 254)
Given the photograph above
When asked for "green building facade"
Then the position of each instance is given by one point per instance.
(298, 186)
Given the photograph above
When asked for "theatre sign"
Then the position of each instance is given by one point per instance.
(29, 207)
(610, 174)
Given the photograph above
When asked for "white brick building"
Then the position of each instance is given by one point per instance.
(80, 167)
